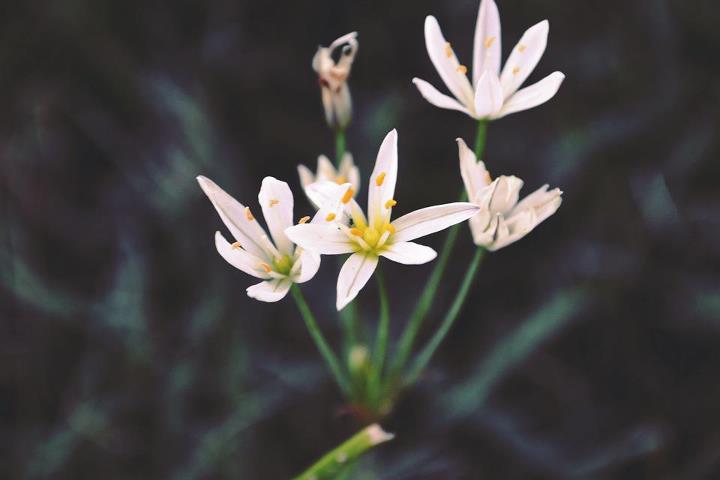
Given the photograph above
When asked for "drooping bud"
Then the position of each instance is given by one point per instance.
(333, 76)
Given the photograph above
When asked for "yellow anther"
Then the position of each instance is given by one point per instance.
(448, 49)
(330, 217)
(515, 70)
(390, 203)
(248, 214)
(389, 227)
(304, 219)
(380, 179)
(488, 178)
(521, 48)
(340, 179)
(462, 69)
(489, 42)
(356, 231)
(266, 267)
(273, 202)
(236, 245)
(348, 195)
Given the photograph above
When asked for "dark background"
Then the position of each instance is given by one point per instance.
(590, 349)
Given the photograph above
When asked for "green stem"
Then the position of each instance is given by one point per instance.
(339, 146)
(426, 354)
(422, 308)
(333, 462)
(381, 339)
(322, 345)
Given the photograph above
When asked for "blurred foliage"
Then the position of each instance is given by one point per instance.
(129, 349)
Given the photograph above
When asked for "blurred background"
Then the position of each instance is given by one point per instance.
(590, 349)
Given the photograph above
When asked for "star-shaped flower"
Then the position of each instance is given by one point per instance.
(347, 172)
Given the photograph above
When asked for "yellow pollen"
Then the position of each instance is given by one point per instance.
(380, 179)
(340, 179)
(348, 195)
(357, 232)
(273, 202)
(521, 48)
(489, 42)
(266, 267)
(390, 203)
(515, 70)
(236, 245)
(330, 217)
(448, 49)
(462, 69)
(488, 178)
(390, 228)
(248, 214)
(304, 219)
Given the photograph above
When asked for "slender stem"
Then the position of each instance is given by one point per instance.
(426, 354)
(381, 340)
(339, 146)
(418, 315)
(322, 345)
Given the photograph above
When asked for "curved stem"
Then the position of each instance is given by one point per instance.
(322, 345)
(339, 146)
(381, 340)
(426, 354)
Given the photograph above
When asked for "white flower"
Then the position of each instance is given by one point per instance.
(502, 220)
(492, 94)
(279, 263)
(368, 238)
(333, 78)
(326, 172)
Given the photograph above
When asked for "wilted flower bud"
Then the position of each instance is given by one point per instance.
(333, 75)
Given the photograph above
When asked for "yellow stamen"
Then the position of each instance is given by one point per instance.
(515, 70)
(330, 217)
(488, 178)
(236, 245)
(462, 69)
(248, 214)
(340, 179)
(348, 195)
(356, 231)
(266, 267)
(273, 202)
(304, 219)
(448, 49)
(521, 48)
(389, 227)
(489, 42)
(390, 203)
(380, 179)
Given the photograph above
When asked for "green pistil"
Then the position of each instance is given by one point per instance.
(283, 264)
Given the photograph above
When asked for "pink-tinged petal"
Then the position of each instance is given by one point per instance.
(524, 57)
(534, 95)
(431, 219)
(240, 258)
(432, 95)
(276, 201)
(409, 253)
(542, 201)
(488, 96)
(506, 194)
(474, 174)
(236, 218)
(310, 263)
(270, 290)
(354, 274)
(486, 46)
(382, 180)
(446, 63)
(325, 239)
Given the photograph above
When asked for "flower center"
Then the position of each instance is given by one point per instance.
(371, 239)
(283, 264)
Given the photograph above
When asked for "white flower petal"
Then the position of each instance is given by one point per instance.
(342, 105)
(240, 258)
(432, 95)
(276, 201)
(409, 253)
(544, 203)
(310, 263)
(235, 218)
(347, 38)
(534, 95)
(488, 96)
(306, 176)
(486, 45)
(325, 170)
(447, 65)
(474, 174)
(506, 194)
(524, 57)
(270, 291)
(483, 227)
(382, 180)
(354, 274)
(350, 171)
(325, 239)
(431, 219)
